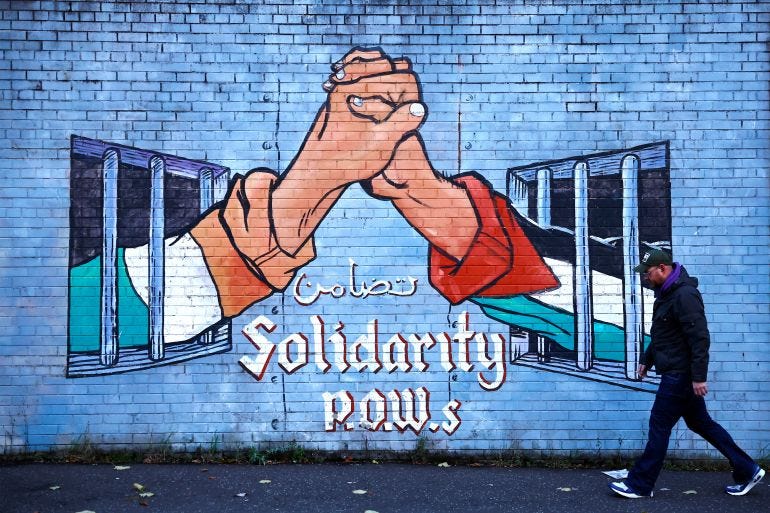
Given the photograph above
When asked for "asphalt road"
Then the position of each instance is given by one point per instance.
(354, 488)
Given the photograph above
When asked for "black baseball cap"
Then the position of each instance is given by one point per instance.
(651, 258)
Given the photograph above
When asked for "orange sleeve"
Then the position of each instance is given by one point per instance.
(239, 244)
(237, 285)
(501, 261)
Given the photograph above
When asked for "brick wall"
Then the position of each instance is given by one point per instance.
(507, 85)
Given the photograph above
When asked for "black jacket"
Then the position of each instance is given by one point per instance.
(680, 336)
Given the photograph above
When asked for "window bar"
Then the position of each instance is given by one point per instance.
(206, 186)
(544, 220)
(542, 356)
(220, 187)
(632, 283)
(544, 197)
(583, 307)
(156, 257)
(519, 195)
(108, 346)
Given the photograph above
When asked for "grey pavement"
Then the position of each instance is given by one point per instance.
(354, 488)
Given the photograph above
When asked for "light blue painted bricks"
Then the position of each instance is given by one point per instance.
(507, 84)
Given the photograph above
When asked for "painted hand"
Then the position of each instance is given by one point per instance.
(410, 170)
(378, 86)
(373, 105)
(422, 196)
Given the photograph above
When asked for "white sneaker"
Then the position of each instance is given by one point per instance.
(623, 489)
(743, 488)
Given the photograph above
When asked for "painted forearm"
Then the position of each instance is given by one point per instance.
(440, 209)
(442, 212)
(301, 199)
(240, 246)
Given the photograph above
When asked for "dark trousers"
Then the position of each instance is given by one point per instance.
(675, 399)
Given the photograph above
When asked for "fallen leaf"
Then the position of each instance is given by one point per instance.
(121, 467)
(265, 481)
(86, 511)
(144, 503)
(617, 474)
(242, 494)
(146, 494)
(138, 487)
(665, 489)
(370, 511)
(565, 489)
(444, 464)
(56, 487)
(690, 492)
(359, 492)
(376, 463)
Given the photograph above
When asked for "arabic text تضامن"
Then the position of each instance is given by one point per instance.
(355, 289)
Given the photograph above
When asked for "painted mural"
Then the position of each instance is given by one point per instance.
(165, 252)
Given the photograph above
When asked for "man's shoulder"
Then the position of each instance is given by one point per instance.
(687, 297)
(688, 287)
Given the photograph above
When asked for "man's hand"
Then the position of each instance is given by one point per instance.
(641, 371)
(700, 388)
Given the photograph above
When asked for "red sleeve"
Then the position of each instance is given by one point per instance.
(501, 261)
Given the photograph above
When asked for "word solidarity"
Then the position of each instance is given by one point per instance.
(398, 354)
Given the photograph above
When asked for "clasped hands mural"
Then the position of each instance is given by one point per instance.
(165, 251)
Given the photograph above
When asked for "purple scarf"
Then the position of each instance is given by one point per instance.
(670, 280)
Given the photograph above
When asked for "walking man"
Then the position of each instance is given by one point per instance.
(680, 353)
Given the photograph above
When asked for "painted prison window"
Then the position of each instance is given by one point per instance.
(590, 217)
(125, 199)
